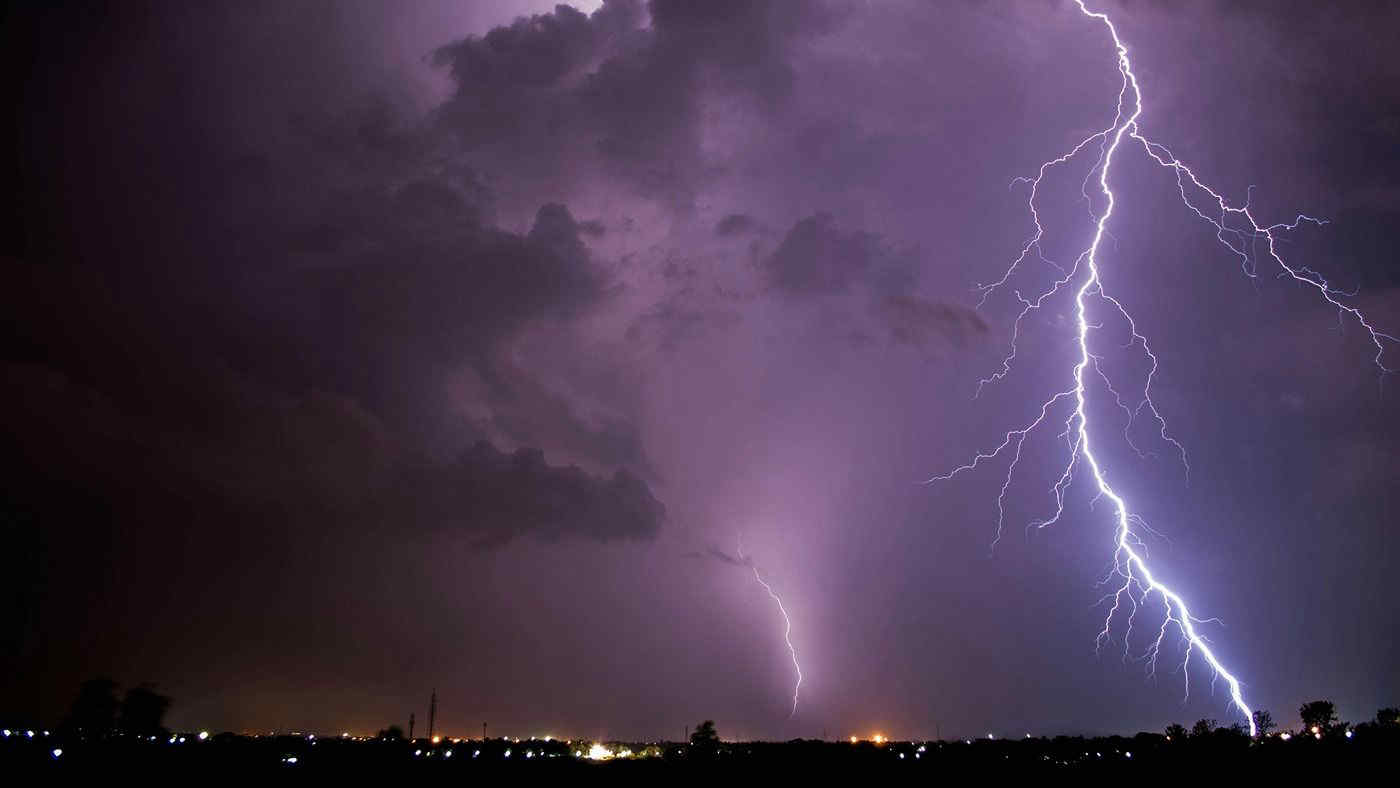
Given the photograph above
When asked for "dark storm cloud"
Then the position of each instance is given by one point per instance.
(680, 319)
(817, 257)
(717, 554)
(734, 224)
(452, 290)
(550, 93)
(271, 295)
(207, 434)
(916, 321)
(504, 495)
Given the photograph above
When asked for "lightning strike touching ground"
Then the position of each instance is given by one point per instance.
(787, 626)
(1236, 228)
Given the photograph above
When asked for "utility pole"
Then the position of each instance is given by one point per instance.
(432, 713)
(410, 726)
(483, 731)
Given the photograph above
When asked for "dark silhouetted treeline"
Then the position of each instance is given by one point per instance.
(105, 735)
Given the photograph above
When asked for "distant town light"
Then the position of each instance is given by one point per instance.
(203, 735)
(1285, 736)
(598, 752)
(447, 754)
(437, 740)
(853, 739)
(507, 753)
(1315, 729)
(1348, 734)
(878, 738)
(7, 733)
(57, 751)
(30, 734)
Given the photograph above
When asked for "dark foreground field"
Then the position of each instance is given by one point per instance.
(1142, 756)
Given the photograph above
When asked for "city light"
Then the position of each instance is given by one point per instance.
(203, 735)
(598, 752)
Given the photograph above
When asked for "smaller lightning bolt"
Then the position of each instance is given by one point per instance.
(787, 624)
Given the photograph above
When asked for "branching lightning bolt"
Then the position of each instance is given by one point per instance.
(787, 626)
(1242, 234)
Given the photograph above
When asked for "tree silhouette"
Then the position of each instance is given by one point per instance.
(94, 711)
(143, 710)
(1263, 722)
(1176, 732)
(1202, 728)
(705, 740)
(391, 732)
(1388, 716)
(1320, 715)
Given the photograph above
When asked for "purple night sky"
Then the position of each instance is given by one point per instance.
(358, 348)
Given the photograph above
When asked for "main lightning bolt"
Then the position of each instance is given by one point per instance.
(1242, 234)
(787, 625)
